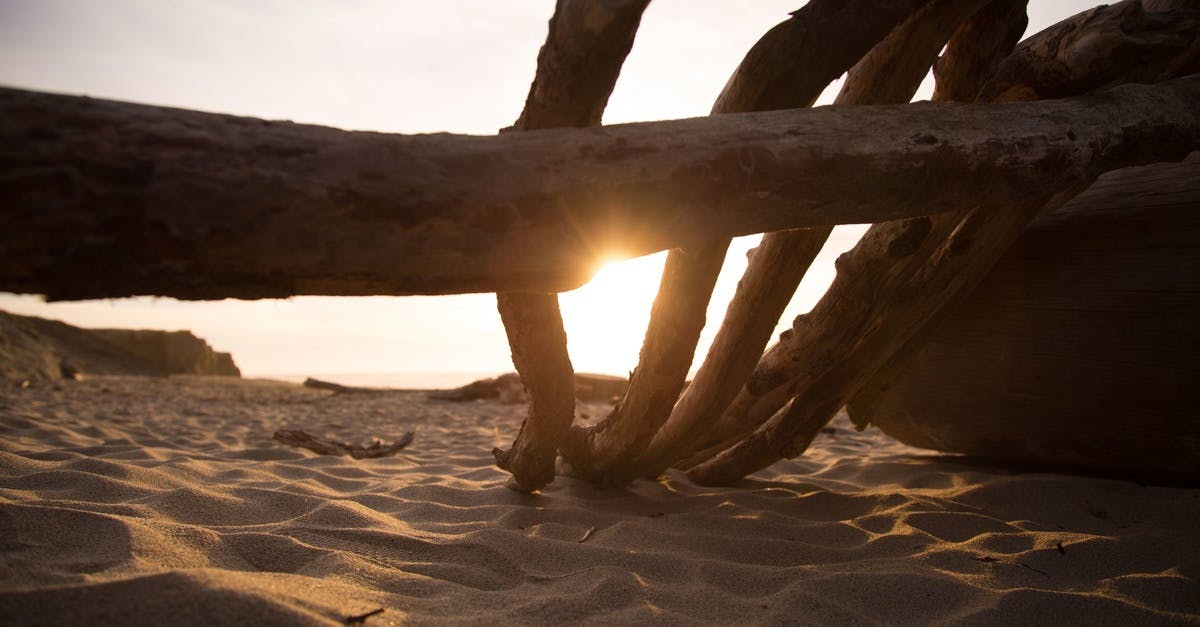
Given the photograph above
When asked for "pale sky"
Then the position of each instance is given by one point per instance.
(400, 66)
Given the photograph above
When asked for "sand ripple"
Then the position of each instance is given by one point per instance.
(164, 501)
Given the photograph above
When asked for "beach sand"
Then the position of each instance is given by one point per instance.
(127, 501)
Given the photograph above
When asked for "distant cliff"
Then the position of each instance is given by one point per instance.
(37, 349)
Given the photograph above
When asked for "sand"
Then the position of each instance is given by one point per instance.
(127, 501)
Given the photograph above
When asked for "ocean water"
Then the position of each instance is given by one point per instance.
(400, 380)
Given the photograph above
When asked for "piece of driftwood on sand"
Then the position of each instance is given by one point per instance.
(577, 69)
(324, 446)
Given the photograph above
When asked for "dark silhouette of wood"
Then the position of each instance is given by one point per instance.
(1078, 349)
(196, 205)
(794, 61)
(976, 50)
(586, 45)
(889, 74)
(821, 40)
(878, 304)
(578, 66)
(1122, 42)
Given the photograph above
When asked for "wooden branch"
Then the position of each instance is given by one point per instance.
(577, 68)
(322, 446)
(605, 453)
(586, 45)
(1101, 48)
(817, 388)
(820, 40)
(976, 50)
(890, 73)
(972, 56)
(880, 302)
(894, 69)
(790, 66)
(195, 205)
(538, 341)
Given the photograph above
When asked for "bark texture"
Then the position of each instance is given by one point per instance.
(196, 205)
(577, 68)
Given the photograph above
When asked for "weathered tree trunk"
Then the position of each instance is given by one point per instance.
(1078, 349)
(784, 69)
(890, 73)
(577, 68)
(914, 293)
(196, 205)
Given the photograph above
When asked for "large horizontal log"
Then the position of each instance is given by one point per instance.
(105, 199)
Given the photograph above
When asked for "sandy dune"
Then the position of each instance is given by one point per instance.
(165, 501)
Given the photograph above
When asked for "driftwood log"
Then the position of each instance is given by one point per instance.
(578, 67)
(197, 205)
(745, 408)
(325, 446)
(1078, 349)
(882, 300)
(787, 68)
(890, 73)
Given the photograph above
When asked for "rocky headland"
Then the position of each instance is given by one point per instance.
(37, 349)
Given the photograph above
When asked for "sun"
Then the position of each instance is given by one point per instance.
(606, 319)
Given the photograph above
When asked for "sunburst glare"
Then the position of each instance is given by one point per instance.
(606, 318)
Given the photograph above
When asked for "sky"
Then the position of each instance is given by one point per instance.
(403, 66)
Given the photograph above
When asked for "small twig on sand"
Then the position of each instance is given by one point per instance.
(361, 618)
(322, 446)
(587, 534)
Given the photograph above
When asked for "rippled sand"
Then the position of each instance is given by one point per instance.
(164, 501)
